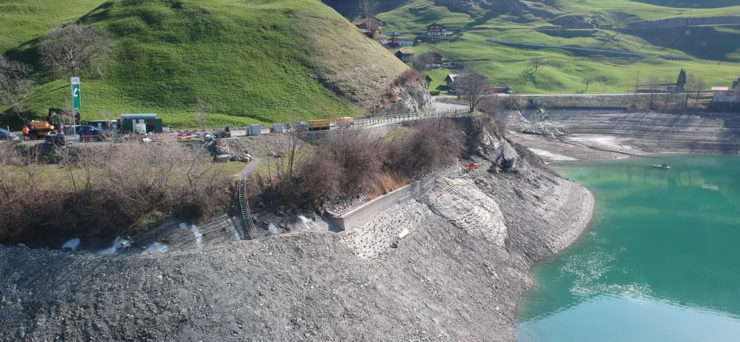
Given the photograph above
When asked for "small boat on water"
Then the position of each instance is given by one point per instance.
(661, 166)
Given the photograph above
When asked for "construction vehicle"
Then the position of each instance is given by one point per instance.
(506, 163)
(38, 129)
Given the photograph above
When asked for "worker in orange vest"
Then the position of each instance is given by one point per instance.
(25, 130)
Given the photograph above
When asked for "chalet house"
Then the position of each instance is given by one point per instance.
(450, 80)
(368, 24)
(436, 30)
(405, 55)
(432, 60)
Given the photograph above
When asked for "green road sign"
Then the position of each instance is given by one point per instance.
(76, 92)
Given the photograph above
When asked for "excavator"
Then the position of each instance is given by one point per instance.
(38, 129)
(507, 164)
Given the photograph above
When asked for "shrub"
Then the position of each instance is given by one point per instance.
(427, 146)
(434, 92)
(103, 194)
(349, 162)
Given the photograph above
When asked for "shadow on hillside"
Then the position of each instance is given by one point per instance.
(692, 3)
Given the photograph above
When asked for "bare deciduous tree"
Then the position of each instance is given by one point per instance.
(75, 47)
(587, 81)
(694, 85)
(473, 86)
(536, 63)
(367, 7)
(14, 83)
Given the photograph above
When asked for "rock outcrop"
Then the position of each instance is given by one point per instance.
(408, 94)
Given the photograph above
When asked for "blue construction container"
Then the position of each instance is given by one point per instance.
(277, 128)
(255, 130)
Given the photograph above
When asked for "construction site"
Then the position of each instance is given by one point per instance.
(445, 255)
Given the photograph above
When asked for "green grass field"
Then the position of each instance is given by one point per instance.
(246, 61)
(714, 51)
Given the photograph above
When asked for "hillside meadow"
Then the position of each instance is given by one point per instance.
(240, 62)
(713, 50)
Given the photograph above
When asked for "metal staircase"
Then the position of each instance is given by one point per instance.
(251, 230)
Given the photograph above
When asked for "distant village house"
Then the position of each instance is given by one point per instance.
(430, 60)
(405, 55)
(436, 30)
(722, 95)
(398, 42)
(450, 80)
(370, 25)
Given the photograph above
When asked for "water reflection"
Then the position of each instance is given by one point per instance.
(665, 243)
(628, 318)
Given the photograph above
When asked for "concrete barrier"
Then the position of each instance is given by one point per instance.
(367, 211)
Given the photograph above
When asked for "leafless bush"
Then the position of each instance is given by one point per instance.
(358, 156)
(15, 82)
(491, 119)
(428, 145)
(106, 194)
(347, 161)
(320, 178)
(350, 162)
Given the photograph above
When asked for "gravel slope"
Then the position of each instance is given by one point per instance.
(446, 280)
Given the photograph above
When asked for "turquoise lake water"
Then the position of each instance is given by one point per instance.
(660, 261)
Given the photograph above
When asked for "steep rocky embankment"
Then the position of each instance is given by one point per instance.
(449, 265)
(607, 134)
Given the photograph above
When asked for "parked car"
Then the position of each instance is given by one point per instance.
(7, 135)
(87, 131)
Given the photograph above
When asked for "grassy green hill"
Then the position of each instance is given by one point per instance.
(713, 49)
(247, 61)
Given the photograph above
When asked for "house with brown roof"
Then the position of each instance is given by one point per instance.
(430, 60)
(369, 25)
(405, 55)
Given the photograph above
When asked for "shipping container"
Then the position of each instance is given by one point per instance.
(277, 128)
(254, 130)
(318, 125)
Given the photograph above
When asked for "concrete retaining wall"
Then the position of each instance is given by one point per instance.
(598, 101)
(366, 212)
